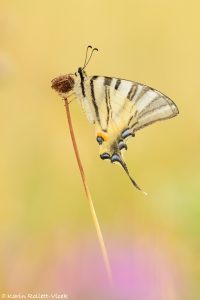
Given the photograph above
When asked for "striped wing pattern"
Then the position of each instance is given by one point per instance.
(119, 108)
(109, 97)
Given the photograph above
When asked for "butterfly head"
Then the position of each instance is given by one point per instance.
(81, 72)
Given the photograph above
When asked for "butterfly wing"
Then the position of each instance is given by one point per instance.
(141, 105)
(119, 108)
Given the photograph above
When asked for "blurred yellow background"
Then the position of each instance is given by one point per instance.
(48, 241)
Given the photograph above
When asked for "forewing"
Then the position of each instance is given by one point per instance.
(107, 98)
(140, 105)
(152, 106)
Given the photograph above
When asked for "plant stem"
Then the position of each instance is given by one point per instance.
(88, 195)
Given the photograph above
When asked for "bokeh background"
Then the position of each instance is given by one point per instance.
(48, 243)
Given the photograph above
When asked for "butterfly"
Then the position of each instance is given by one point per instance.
(117, 107)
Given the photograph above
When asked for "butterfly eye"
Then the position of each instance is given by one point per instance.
(122, 145)
(105, 156)
(100, 140)
(126, 133)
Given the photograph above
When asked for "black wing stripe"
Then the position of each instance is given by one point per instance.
(94, 100)
(148, 107)
(142, 92)
(82, 82)
(148, 112)
(117, 84)
(94, 77)
(107, 81)
(107, 96)
(132, 91)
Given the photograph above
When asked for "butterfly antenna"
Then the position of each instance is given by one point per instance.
(88, 47)
(133, 181)
(86, 63)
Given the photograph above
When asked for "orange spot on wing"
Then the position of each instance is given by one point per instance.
(103, 135)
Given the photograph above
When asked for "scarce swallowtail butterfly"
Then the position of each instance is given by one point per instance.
(117, 107)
